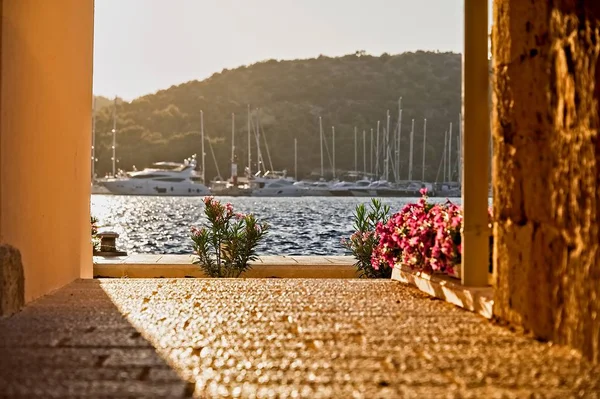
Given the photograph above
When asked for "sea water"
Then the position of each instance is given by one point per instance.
(299, 226)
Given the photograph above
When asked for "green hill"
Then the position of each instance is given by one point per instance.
(353, 90)
(102, 102)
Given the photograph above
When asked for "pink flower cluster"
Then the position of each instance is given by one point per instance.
(221, 213)
(197, 232)
(422, 236)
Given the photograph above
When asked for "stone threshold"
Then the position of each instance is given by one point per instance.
(474, 299)
(479, 300)
(180, 266)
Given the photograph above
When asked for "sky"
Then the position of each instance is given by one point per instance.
(141, 46)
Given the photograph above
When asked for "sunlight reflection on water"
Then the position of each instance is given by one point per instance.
(299, 226)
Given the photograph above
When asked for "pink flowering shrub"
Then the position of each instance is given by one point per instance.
(446, 222)
(364, 240)
(422, 236)
(227, 243)
(95, 239)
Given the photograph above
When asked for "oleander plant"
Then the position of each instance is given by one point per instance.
(422, 236)
(364, 240)
(95, 238)
(226, 244)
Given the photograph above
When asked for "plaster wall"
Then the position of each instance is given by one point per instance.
(45, 138)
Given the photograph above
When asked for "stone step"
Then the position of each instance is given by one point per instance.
(178, 266)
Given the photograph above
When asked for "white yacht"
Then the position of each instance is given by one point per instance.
(311, 188)
(276, 188)
(349, 188)
(366, 188)
(98, 188)
(318, 189)
(162, 178)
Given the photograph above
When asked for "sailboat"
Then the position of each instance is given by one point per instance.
(315, 185)
(235, 186)
(448, 187)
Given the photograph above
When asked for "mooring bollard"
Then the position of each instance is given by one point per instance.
(108, 244)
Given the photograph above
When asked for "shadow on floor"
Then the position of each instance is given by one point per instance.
(76, 343)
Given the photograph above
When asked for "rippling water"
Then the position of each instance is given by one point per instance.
(299, 226)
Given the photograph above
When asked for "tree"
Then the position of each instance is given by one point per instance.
(291, 95)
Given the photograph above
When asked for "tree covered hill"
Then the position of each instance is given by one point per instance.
(353, 90)
(102, 102)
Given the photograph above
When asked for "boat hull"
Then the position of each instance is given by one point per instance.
(154, 188)
(364, 193)
(233, 192)
(384, 193)
(99, 189)
(316, 193)
(340, 193)
(277, 192)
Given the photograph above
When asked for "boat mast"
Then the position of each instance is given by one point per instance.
(202, 140)
(450, 153)
(410, 155)
(424, 146)
(386, 134)
(249, 145)
(295, 159)
(233, 164)
(371, 154)
(232, 137)
(333, 149)
(114, 140)
(321, 144)
(257, 137)
(444, 154)
(364, 155)
(398, 137)
(355, 152)
(214, 159)
(385, 154)
(264, 136)
(377, 152)
(440, 166)
(94, 140)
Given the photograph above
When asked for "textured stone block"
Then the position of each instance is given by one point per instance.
(546, 169)
(12, 281)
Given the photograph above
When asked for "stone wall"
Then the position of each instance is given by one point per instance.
(547, 168)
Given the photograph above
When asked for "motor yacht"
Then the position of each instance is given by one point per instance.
(276, 188)
(162, 179)
(311, 188)
(377, 188)
(348, 189)
(318, 189)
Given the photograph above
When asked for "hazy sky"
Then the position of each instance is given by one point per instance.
(142, 46)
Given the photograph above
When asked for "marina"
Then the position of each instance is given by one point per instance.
(381, 175)
(173, 179)
(299, 226)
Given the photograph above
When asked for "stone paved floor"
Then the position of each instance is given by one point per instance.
(272, 338)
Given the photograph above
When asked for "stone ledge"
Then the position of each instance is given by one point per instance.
(179, 266)
(476, 299)
(12, 281)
